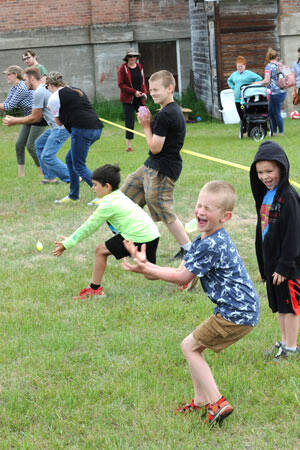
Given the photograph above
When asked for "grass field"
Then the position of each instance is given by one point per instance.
(109, 373)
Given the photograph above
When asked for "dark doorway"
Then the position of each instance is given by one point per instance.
(159, 56)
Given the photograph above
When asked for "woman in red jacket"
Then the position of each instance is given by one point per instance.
(131, 81)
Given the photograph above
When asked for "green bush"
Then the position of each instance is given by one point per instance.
(108, 109)
(112, 109)
(189, 100)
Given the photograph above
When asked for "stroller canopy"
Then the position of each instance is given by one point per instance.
(252, 89)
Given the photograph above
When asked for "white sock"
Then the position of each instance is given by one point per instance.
(291, 349)
(186, 246)
(283, 344)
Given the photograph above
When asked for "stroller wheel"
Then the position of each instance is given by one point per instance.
(257, 133)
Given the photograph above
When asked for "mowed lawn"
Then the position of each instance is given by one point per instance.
(109, 373)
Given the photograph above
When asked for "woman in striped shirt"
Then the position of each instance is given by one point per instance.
(20, 97)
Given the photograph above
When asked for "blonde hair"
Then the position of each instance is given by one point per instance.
(240, 60)
(225, 192)
(165, 76)
(271, 54)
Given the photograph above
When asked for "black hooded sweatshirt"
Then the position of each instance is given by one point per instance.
(280, 250)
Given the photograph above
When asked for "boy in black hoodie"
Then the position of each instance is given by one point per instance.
(278, 240)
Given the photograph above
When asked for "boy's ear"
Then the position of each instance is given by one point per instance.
(226, 216)
(108, 186)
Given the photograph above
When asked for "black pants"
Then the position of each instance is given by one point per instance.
(241, 114)
(129, 115)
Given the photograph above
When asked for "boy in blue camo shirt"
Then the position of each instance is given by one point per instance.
(214, 259)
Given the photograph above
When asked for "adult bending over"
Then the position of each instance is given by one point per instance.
(46, 149)
(71, 108)
(20, 96)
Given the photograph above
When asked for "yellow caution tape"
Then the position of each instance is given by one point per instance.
(198, 155)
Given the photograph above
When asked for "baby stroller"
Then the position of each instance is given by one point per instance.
(256, 121)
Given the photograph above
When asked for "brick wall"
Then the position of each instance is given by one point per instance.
(288, 7)
(24, 14)
(34, 14)
(157, 10)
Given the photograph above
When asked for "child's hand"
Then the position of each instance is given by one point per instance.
(144, 116)
(139, 257)
(59, 247)
(278, 279)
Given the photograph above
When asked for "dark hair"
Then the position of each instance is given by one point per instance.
(108, 174)
(31, 52)
(33, 72)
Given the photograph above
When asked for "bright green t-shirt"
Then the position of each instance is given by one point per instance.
(131, 221)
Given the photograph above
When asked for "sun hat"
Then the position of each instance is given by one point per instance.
(131, 52)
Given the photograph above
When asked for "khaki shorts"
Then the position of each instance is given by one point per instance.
(147, 186)
(217, 333)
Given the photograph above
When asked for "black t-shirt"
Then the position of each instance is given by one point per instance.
(136, 78)
(169, 123)
(76, 110)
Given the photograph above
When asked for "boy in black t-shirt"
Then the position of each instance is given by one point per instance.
(154, 182)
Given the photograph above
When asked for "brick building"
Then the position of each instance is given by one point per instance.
(87, 39)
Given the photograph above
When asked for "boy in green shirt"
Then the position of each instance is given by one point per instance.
(123, 215)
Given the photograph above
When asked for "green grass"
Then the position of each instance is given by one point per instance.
(109, 373)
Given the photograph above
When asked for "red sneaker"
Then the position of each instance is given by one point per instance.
(217, 412)
(188, 408)
(129, 149)
(188, 286)
(89, 292)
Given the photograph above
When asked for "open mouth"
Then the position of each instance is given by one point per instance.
(201, 221)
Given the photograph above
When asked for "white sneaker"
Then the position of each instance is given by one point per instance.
(65, 200)
(94, 202)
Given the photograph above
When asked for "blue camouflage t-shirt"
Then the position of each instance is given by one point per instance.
(216, 261)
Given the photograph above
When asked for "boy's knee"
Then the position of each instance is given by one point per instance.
(189, 345)
(185, 346)
(101, 250)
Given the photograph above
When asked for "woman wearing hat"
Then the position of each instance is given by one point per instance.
(20, 97)
(131, 81)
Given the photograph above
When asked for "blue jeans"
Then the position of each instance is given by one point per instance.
(47, 146)
(81, 140)
(275, 103)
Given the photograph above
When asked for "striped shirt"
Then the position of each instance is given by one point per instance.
(19, 97)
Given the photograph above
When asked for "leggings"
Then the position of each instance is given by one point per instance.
(28, 134)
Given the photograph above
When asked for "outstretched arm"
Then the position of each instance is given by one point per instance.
(178, 275)
(59, 247)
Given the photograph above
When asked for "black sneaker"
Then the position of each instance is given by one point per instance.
(180, 254)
